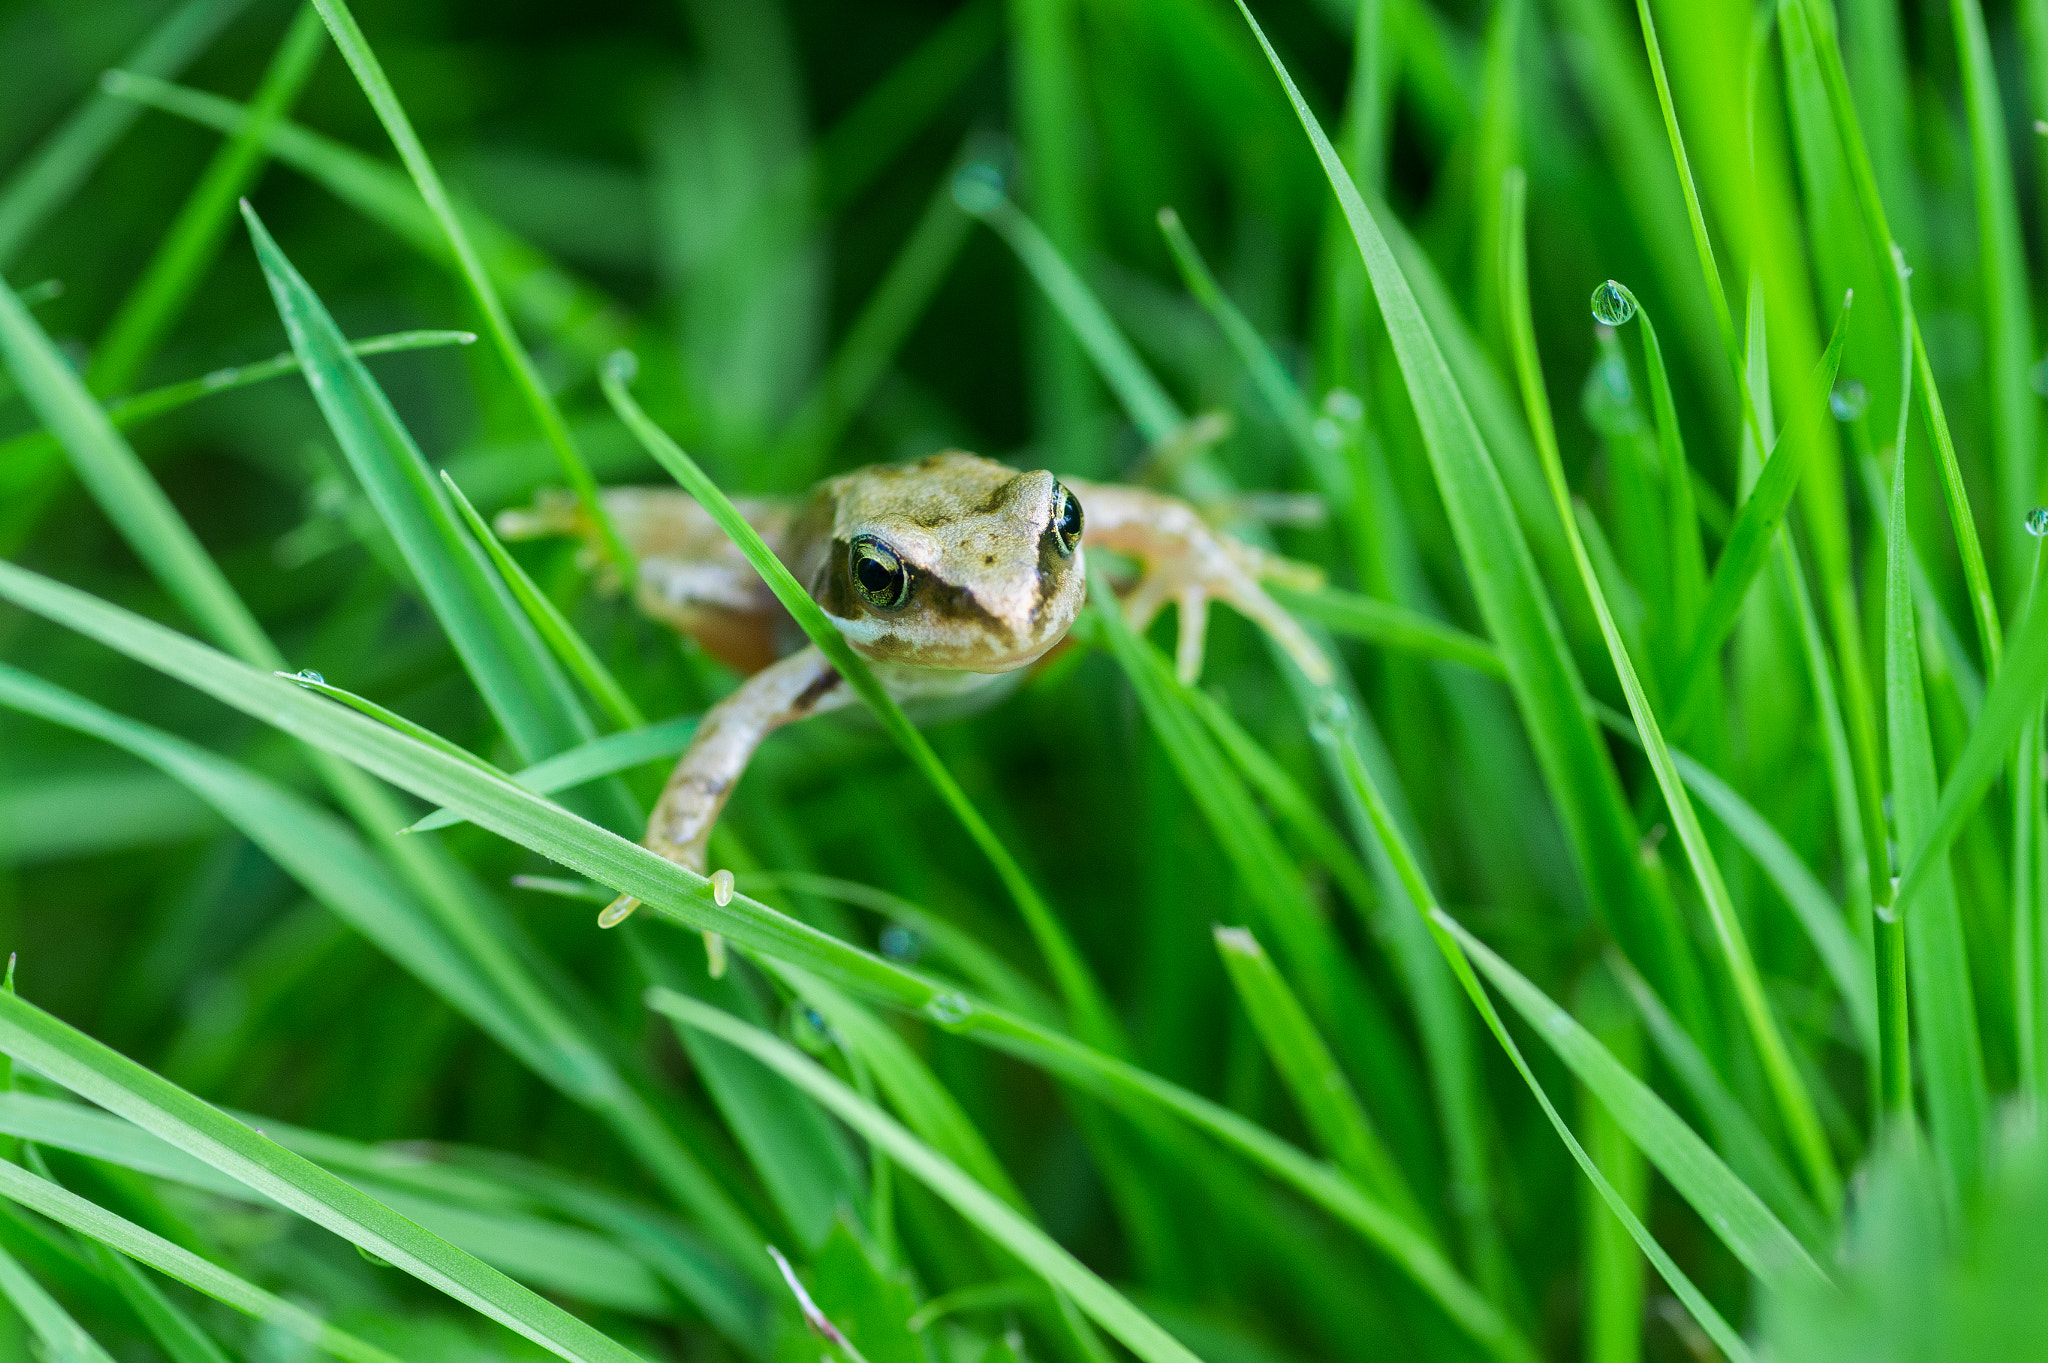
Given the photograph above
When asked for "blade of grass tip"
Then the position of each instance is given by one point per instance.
(196, 235)
(982, 1209)
(1943, 1014)
(64, 1338)
(561, 636)
(1383, 622)
(1091, 1013)
(605, 756)
(526, 692)
(68, 156)
(1518, 615)
(1324, 461)
(873, 340)
(77, 1062)
(1325, 1097)
(979, 190)
(1440, 924)
(27, 458)
(355, 49)
(1789, 1090)
(1749, 540)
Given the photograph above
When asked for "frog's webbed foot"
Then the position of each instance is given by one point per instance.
(1188, 564)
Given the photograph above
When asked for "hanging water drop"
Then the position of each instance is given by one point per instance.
(948, 1010)
(1341, 404)
(309, 675)
(2037, 522)
(1848, 399)
(1613, 304)
(721, 888)
(978, 189)
(1329, 719)
(903, 944)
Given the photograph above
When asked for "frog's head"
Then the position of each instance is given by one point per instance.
(953, 562)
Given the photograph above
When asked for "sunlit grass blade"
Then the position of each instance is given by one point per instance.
(1326, 1099)
(29, 456)
(128, 1239)
(1392, 626)
(1787, 1086)
(355, 49)
(195, 236)
(1077, 985)
(988, 1212)
(606, 756)
(547, 618)
(1518, 615)
(520, 682)
(37, 189)
(1943, 1016)
(92, 1071)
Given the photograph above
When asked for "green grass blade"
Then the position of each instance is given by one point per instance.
(1787, 1087)
(68, 156)
(1325, 1097)
(1083, 995)
(92, 1071)
(1944, 1018)
(606, 756)
(1613, 1270)
(522, 685)
(982, 1208)
(1518, 615)
(63, 1338)
(177, 1333)
(568, 646)
(355, 49)
(195, 237)
(1396, 627)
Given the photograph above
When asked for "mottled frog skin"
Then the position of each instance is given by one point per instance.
(948, 575)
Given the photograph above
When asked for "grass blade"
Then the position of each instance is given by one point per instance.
(64, 1338)
(1382, 622)
(606, 756)
(355, 49)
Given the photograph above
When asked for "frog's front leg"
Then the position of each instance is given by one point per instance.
(800, 685)
(1189, 564)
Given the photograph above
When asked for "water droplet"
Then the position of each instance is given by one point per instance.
(1342, 404)
(1608, 399)
(1330, 718)
(2037, 522)
(622, 365)
(1328, 433)
(948, 1010)
(721, 888)
(978, 189)
(808, 1028)
(618, 911)
(309, 675)
(1613, 304)
(219, 378)
(1849, 399)
(901, 944)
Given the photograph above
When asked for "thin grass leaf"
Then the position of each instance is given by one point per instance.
(63, 1338)
(92, 1071)
(518, 680)
(1384, 623)
(1082, 994)
(1518, 615)
(174, 1331)
(986, 1211)
(561, 636)
(1787, 1087)
(1325, 1097)
(606, 756)
(189, 247)
(355, 49)
(56, 170)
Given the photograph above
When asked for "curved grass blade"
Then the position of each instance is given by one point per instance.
(1787, 1087)
(986, 1211)
(133, 1242)
(64, 160)
(1083, 995)
(606, 756)
(94, 1072)
(355, 49)
(1383, 622)
(1518, 614)
(64, 1339)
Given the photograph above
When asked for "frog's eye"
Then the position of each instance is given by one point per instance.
(1066, 520)
(878, 574)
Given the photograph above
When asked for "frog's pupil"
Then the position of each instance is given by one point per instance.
(875, 576)
(1067, 520)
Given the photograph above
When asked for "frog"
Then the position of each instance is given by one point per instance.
(952, 576)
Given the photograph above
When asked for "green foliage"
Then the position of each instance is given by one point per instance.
(315, 1046)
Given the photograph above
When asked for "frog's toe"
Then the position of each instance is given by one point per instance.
(1193, 603)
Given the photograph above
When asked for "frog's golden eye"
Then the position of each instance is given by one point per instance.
(878, 573)
(1066, 520)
